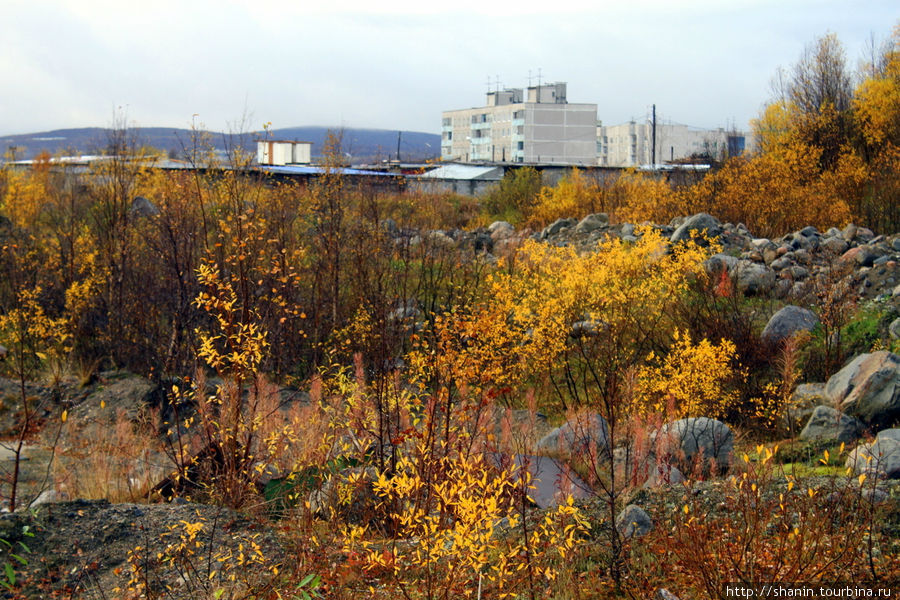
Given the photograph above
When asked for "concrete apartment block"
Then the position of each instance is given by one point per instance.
(630, 144)
(533, 125)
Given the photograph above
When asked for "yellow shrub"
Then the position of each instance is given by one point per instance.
(691, 377)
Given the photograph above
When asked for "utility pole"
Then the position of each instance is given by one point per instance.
(653, 141)
(399, 133)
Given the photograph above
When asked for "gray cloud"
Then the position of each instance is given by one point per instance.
(70, 64)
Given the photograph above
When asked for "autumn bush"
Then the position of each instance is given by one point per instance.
(765, 525)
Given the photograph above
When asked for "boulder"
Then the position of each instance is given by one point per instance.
(881, 458)
(698, 439)
(827, 423)
(788, 321)
(864, 256)
(754, 278)
(580, 435)
(556, 227)
(841, 383)
(141, 207)
(390, 227)
(633, 521)
(719, 263)
(835, 245)
(805, 398)
(662, 475)
(439, 239)
(889, 434)
(551, 481)
(348, 493)
(869, 389)
(592, 223)
(695, 225)
(894, 329)
(500, 230)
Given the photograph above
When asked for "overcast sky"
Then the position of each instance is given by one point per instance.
(397, 65)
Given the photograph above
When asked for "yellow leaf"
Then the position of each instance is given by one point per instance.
(64, 416)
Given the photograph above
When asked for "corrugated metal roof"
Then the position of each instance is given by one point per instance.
(310, 170)
(464, 172)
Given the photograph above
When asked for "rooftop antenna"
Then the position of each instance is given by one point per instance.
(539, 86)
(529, 77)
(488, 84)
(497, 82)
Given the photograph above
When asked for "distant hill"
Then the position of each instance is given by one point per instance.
(362, 145)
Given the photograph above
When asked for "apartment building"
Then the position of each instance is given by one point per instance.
(630, 144)
(531, 125)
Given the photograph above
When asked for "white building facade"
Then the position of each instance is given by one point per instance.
(631, 145)
(532, 125)
(280, 153)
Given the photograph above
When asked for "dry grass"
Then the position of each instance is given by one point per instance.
(119, 463)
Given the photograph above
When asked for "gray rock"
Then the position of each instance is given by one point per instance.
(577, 437)
(841, 383)
(835, 245)
(695, 225)
(592, 223)
(889, 434)
(805, 398)
(849, 232)
(717, 263)
(881, 458)
(664, 594)
(788, 321)
(864, 234)
(551, 481)
(827, 423)
(141, 207)
(809, 231)
(662, 475)
(698, 439)
(556, 227)
(626, 229)
(585, 329)
(875, 495)
(47, 497)
(781, 263)
(390, 227)
(894, 329)
(349, 493)
(500, 230)
(868, 388)
(754, 278)
(440, 239)
(633, 521)
(797, 272)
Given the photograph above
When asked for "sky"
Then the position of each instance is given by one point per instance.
(236, 65)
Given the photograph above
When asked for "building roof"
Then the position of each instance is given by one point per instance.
(456, 171)
(311, 170)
